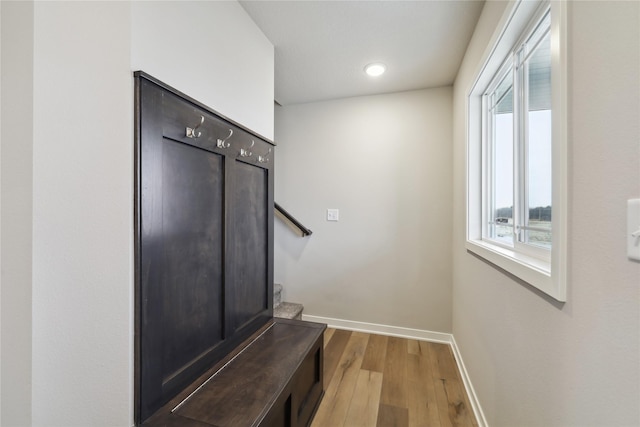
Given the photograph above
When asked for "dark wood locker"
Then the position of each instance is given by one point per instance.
(204, 275)
(204, 238)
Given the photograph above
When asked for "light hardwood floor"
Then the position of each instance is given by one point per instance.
(379, 381)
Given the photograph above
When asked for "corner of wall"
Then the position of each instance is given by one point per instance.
(16, 210)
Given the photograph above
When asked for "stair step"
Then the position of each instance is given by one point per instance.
(288, 310)
(277, 294)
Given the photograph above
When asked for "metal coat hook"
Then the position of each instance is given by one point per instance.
(246, 152)
(265, 158)
(191, 133)
(222, 143)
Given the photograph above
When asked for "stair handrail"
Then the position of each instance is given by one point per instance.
(283, 214)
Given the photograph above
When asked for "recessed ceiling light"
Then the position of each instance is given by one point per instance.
(375, 69)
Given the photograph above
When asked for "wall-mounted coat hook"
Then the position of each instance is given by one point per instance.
(247, 152)
(194, 133)
(265, 158)
(222, 143)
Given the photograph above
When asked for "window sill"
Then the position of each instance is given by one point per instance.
(532, 270)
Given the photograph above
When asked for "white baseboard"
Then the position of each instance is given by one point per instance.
(417, 334)
(473, 397)
(374, 328)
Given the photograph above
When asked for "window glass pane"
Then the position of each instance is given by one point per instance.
(501, 215)
(538, 152)
(503, 95)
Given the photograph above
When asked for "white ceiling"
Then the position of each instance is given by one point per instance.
(321, 47)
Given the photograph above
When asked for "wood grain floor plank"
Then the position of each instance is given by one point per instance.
(459, 410)
(337, 397)
(424, 347)
(413, 347)
(363, 411)
(452, 406)
(376, 353)
(394, 390)
(443, 404)
(333, 352)
(328, 333)
(446, 364)
(421, 394)
(418, 367)
(392, 416)
(419, 380)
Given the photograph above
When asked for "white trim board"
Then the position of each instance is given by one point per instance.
(417, 334)
(471, 392)
(394, 331)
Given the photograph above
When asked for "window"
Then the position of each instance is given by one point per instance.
(516, 149)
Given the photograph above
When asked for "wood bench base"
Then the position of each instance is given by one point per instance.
(274, 380)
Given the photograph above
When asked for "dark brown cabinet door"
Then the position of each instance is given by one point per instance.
(204, 240)
(248, 224)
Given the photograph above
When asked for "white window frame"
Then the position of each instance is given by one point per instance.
(544, 270)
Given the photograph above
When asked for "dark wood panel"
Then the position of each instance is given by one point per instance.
(248, 297)
(248, 388)
(173, 420)
(178, 114)
(280, 416)
(203, 241)
(160, 417)
(192, 229)
(308, 387)
(181, 230)
(149, 221)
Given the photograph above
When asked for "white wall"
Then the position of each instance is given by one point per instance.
(384, 161)
(0, 213)
(16, 111)
(67, 172)
(534, 362)
(82, 214)
(211, 51)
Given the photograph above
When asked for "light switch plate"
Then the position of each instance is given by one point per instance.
(633, 229)
(333, 214)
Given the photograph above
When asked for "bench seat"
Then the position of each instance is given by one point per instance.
(274, 380)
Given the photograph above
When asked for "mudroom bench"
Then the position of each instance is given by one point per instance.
(273, 381)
